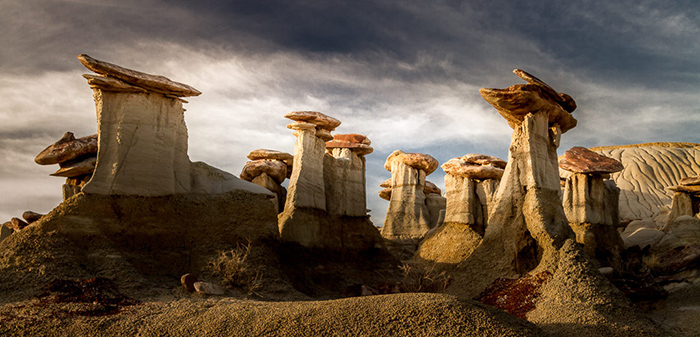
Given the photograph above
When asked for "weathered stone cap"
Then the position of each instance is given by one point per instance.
(276, 169)
(416, 160)
(76, 168)
(386, 183)
(155, 83)
(271, 154)
(515, 102)
(67, 148)
(475, 166)
(690, 181)
(431, 188)
(582, 160)
(690, 189)
(314, 117)
(385, 193)
(353, 141)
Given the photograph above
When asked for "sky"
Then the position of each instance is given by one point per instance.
(404, 73)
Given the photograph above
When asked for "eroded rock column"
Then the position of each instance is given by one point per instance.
(408, 219)
(591, 203)
(300, 221)
(344, 175)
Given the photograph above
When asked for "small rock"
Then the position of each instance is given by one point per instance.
(31, 217)
(643, 237)
(16, 224)
(188, 281)
(208, 288)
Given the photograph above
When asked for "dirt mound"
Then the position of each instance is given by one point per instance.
(384, 315)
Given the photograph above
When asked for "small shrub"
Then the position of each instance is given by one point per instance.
(235, 269)
(420, 277)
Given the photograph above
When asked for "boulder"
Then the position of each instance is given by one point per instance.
(271, 154)
(208, 288)
(67, 148)
(276, 169)
(155, 83)
(16, 224)
(315, 118)
(582, 160)
(683, 231)
(76, 168)
(643, 237)
(420, 161)
(31, 217)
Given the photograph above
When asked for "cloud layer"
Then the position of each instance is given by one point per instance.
(406, 74)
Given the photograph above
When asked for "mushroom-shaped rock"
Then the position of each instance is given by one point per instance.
(690, 181)
(352, 138)
(277, 170)
(420, 161)
(67, 148)
(321, 120)
(359, 148)
(76, 168)
(271, 154)
(515, 102)
(150, 82)
(582, 160)
(475, 166)
(431, 188)
(385, 193)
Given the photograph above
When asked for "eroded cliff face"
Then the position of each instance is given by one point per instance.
(649, 169)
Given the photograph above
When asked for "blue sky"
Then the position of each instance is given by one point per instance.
(404, 73)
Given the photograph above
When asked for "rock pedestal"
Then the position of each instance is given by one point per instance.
(591, 203)
(344, 174)
(408, 218)
(686, 200)
(527, 225)
(268, 169)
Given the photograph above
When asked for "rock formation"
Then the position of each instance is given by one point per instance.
(591, 203)
(434, 200)
(408, 217)
(326, 203)
(471, 183)
(268, 169)
(649, 170)
(76, 159)
(686, 199)
(526, 225)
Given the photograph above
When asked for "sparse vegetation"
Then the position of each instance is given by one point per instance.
(423, 277)
(235, 269)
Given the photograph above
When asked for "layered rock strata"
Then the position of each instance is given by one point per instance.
(471, 183)
(591, 203)
(408, 217)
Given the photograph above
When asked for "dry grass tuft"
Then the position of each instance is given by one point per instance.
(422, 277)
(235, 269)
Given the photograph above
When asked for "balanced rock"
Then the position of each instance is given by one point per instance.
(271, 154)
(67, 148)
(420, 161)
(276, 169)
(76, 168)
(582, 160)
(149, 82)
(31, 217)
(315, 118)
(517, 101)
(475, 166)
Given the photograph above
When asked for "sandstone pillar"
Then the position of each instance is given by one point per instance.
(344, 174)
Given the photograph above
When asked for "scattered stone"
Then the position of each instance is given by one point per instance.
(76, 168)
(582, 160)
(208, 288)
(276, 169)
(31, 217)
(271, 154)
(316, 118)
(149, 82)
(16, 224)
(67, 148)
(423, 162)
(188, 281)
